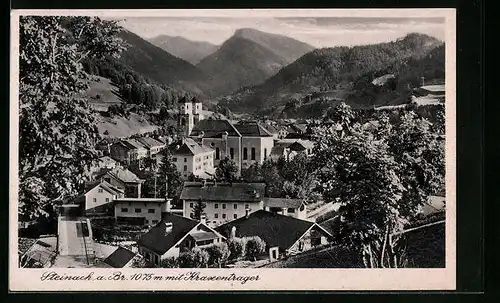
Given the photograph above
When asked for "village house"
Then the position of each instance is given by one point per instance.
(256, 143)
(224, 202)
(296, 208)
(152, 145)
(283, 235)
(98, 199)
(140, 211)
(121, 178)
(296, 131)
(192, 158)
(289, 148)
(128, 151)
(273, 129)
(222, 137)
(173, 235)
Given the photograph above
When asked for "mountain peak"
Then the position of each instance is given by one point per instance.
(247, 30)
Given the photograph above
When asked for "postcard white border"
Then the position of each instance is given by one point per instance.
(269, 279)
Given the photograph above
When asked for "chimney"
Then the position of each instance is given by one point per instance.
(204, 184)
(422, 81)
(201, 135)
(224, 135)
(203, 218)
(168, 227)
(247, 212)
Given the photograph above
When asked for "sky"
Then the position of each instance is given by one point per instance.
(316, 31)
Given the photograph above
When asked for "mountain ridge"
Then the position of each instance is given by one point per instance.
(186, 49)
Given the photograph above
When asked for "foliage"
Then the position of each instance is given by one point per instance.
(236, 248)
(218, 253)
(170, 262)
(382, 176)
(169, 182)
(195, 258)
(198, 209)
(255, 246)
(227, 170)
(57, 126)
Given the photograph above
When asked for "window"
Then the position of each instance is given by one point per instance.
(151, 211)
(223, 205)
(235, 216)
(107, 199)
(124, 210)
(216, 216)
(137, 210)
(253, 153)
(216, 205)
(107, 180)
(191, 204)
(185, 160)
(235, 206)
(291, 210)
(245, 153)
(217, 153)
(231, 153)
(191, 215)
(157, 260)
(174, 159)
(95, 200)
(100, 190)
(247, 206)
(185, 168)
(223, 216)
(155, 221)
(265, 153)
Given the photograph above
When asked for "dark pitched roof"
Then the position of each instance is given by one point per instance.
(274, 229)
(301, 145)
(157, 240)
(270, 128)
(278, 151)
(223, 191)
(120, 173)
(254, 129)
(213, 128)
(119, 258)
(150, 142)
(187, 147)
(283, 202)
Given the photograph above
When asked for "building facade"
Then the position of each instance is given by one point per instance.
(192, 158)
(140, 211)
(223, 202)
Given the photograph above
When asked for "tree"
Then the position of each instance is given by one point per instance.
(252, 173)
(198, 209)
(57, 126)
(255, 247)
(227, 170)
(169, 182)
(219, 253)
(382, 178)
(236, 248)
(195, 258)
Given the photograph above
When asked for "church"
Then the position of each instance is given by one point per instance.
(245, 143)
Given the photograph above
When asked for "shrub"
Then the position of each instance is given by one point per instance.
(218, 254)
(236, 248)
(255, 246)
(170, 263)
(194, 258)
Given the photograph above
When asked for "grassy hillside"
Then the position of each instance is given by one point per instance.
(336, 69)
(121, 127)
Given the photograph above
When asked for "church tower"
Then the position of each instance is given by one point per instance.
(190, 112)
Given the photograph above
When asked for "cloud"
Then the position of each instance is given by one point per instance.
(319, 32)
